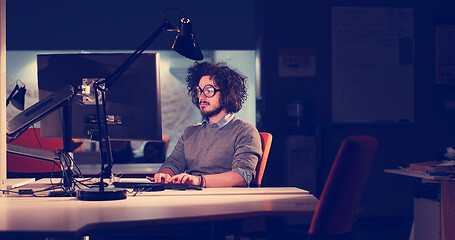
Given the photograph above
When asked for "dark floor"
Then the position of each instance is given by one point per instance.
(276, 228)
(382, 228)
(363, 229)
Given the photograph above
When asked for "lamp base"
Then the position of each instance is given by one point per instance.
(95, 194)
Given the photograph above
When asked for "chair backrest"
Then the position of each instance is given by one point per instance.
(266, 141)
(24, 166)
(343, 189)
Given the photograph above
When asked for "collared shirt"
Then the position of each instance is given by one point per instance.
(231, 144)
(222, 122)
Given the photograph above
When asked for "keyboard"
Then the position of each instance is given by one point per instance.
(151, 186)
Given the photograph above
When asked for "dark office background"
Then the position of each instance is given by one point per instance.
(267, 26)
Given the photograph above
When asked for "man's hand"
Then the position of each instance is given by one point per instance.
(162, 177)
(185, 178)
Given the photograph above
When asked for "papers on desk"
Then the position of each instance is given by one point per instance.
(433, 166)
(18, 182)
(447, 164)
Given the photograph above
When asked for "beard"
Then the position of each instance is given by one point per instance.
(211, 113)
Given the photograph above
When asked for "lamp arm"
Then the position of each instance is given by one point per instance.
(109, 81)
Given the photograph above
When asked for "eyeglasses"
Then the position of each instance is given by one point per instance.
(208, 91)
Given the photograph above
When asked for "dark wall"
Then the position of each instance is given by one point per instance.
(118, 24)
(307, 24)
(267, 25)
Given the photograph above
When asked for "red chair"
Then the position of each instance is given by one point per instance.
(266, 140)
(343, 189)
(19, 166)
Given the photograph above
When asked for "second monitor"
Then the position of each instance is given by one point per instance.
(133, 103)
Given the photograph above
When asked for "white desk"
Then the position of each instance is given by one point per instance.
(69, 217)
(447, 199)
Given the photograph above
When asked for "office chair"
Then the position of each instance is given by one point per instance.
(335, 212)
(343, 189)
(19, 166)
(266, 140)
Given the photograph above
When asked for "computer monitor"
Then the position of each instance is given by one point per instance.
(133, 104)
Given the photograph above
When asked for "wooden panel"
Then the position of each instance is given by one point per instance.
(2, 93)
(447, 210)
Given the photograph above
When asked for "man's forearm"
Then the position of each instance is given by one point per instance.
(227, 179)
(167, 171)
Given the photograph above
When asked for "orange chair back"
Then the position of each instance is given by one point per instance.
(266, 141)
(343, 189)
(20, 164)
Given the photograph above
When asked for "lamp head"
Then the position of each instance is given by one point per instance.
(185, 43)
(17, 97)
(18, 100)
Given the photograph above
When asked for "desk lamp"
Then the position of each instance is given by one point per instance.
(17, 96)
(186, 45)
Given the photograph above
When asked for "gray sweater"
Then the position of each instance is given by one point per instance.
(229, 145)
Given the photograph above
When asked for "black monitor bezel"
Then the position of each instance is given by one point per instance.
(55, 70)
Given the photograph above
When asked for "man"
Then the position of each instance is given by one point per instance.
(223, 150)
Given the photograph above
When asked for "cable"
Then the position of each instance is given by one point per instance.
(89, 185)
(9, 191)
(65, 162)
(36, 136)
(78, 172)
(139, 190)
(65, 159)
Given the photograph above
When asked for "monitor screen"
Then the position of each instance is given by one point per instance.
(132, 102)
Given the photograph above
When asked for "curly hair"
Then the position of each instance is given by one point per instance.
(231, 83)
